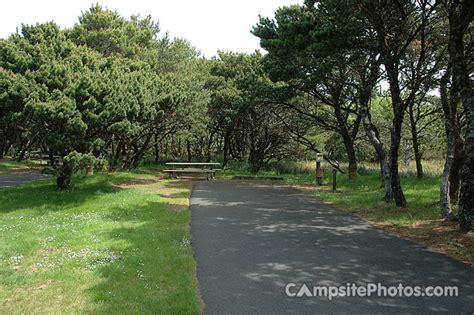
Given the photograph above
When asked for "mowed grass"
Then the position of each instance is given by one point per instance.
(420, 222)
(116, 243)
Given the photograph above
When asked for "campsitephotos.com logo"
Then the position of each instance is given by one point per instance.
(367, 290)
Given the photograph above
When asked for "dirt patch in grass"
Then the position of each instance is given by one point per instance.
(177, 190)
(139, 181)
(45, 285)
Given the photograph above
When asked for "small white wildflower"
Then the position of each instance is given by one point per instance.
(15, 260)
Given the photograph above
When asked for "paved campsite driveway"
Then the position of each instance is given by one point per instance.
(250, 240)
(14, 179)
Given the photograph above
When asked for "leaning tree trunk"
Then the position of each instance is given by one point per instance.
(29, 144)
(371, 130)
(348, 142)
(372, 135)
(140, 153)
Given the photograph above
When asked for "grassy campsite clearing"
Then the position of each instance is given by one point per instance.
(114, 243)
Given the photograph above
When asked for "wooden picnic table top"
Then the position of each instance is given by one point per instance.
(193, 163)
(191, 170)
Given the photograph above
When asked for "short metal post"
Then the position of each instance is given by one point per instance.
(334, 173)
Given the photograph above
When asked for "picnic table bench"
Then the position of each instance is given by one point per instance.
(193, 168)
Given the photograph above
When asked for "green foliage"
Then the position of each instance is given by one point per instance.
(114, 88)
(104, 87)
(243, 107)
(111, 34)
(56, 120)
(84, 162)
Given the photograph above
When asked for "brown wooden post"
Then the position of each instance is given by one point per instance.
(334, 173)
(319, 170)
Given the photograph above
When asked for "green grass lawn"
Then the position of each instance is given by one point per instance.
(116, 243)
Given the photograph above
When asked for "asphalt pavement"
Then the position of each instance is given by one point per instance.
(253, 242)
(17, 178)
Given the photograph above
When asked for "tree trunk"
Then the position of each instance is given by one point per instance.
(444, 199)
(6, 145)
(140, 153)
(3, 145)
(416, 144)
(466, 197)
(209, 145)
(212, 135)
(371, 131)
(395, 137)
(387, 183)
(51, 159)
(64, 178)
(188, 149)
(458, 160)
(348, 141)
(116, 156)
(156, 149)
(416, 147)
(444, 194)
(177, 149)
(419, 166)
(351, 157)
(255, 160)
(460, 17)
(395, 133)
(225, 158)
(372, 135)
(21, 157)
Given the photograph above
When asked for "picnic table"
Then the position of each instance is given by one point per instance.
(193, 168)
